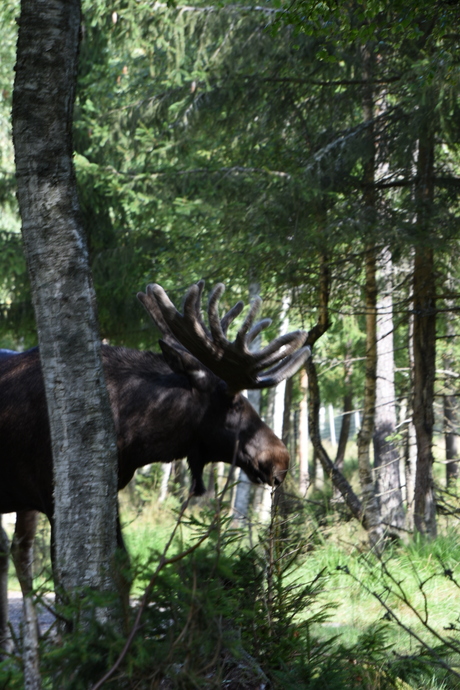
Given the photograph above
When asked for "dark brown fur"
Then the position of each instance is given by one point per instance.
(163, 410)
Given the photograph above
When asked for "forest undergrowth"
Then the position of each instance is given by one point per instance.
(300, 602)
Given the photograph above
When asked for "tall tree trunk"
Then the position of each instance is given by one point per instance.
(304, 474)
(82, 431)
(424, 344)
(452, 440)
(370, 503)
(386, 456)
(243, 488)
(346, 422)
(5, 640)
(410, 451)
(288, 392)
(450, 407)
(166, 468)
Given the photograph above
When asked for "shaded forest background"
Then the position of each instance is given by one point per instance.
(308, 153)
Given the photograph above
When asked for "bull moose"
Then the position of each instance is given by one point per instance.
(185, 402)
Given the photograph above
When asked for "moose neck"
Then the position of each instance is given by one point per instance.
(156, 412)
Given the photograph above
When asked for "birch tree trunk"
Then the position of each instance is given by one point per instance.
(386, 456)
(82, 432)
(450, 406)
(5, 641)
(243, 487)
(410, 455)
(304, 474)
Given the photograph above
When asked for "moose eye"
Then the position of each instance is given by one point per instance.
(237, 406)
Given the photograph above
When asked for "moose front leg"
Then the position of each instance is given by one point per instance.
(5, 638)
(22, 548)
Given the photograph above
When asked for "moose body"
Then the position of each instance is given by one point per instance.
(160, 415)
(185, 402)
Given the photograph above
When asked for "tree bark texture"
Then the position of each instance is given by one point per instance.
(450, 406)
(369, 497)
(410, 450)
(345, 426)
(288, 391)
(386, 456)
(424, 299)
(82, 431)
(5, 641)
(243, 486)
(370, 503)
(304, 474)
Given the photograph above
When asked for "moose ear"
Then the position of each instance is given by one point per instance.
(182, 362)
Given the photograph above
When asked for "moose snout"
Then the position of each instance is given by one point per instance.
(274, 464)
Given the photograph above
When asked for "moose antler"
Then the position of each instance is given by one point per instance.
(231, 361)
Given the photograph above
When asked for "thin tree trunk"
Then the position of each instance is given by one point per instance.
(304, 474)
(337, 478)
(386, 456)
(314, 400)
(5, 638)
(424, 346)
(452, 441)
(22, 551)
(344, 428)
(370, 503)
(166, 468)
(410, 456)
(81, 423)
(243, 488)
(288, 392)
(450, 408)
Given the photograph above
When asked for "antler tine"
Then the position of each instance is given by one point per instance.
(151, 306)
(215, 324)
(256, 329)
(240, 340)
(284, 369)
(278, 349)
(192, 308)
(231, 361)
(230, 316)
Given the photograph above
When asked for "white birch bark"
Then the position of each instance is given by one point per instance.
(83, 438)
(386, 456)
(243, 487)
(304, 474)
(5, 639)
(332, 425)
(263, 498)
(165, 474)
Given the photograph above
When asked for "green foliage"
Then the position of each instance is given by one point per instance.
(225, 615)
